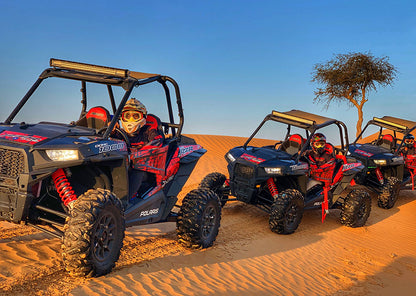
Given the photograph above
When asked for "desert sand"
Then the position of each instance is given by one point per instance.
(246, 259)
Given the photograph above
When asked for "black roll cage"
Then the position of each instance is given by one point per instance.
(309, 124)
(127, 83)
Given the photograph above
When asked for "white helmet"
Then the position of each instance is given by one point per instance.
(133, 116)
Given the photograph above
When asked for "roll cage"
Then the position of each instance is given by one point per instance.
(110, 77)
(307, 121)
(397, 125)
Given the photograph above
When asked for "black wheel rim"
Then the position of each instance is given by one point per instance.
(104, 237)
(208, 221)
(292, 215)
(362, 211)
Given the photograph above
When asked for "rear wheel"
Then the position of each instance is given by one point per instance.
(390, 192)
(287, 212)
(215, 181)
(356, 208)
(199, 218)
(93, 234)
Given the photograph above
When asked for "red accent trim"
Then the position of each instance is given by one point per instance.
(21, 138)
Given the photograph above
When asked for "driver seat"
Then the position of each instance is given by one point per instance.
(96, 118)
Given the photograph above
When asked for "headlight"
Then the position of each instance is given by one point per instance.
(380, 161)
(230, 157)
(275, 171)
(62, 155)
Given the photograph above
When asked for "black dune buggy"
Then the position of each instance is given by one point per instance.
(71, 180)
(275, 179)
(385, 170)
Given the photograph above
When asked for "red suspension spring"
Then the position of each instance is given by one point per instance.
(63, 187)
(272, 188)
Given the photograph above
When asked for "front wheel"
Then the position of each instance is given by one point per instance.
(93, 234)
(389, 194)
(356, 209)
(216, 182)
(199, 218)
(287, 212)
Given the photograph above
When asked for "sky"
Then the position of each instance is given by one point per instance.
(235, 61)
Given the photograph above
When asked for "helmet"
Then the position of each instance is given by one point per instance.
(133, 116)
(409, 140)
(318, 142)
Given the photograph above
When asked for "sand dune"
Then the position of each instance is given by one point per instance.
(246, 259)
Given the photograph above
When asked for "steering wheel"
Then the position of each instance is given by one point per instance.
(120, 131)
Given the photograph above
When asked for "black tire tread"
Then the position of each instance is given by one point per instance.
(190, 217)
(76, 242)
(388, 196)
(215, 181)
(277, 220)
(351, 206)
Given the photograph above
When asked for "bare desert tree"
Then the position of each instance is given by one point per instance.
(349, 77)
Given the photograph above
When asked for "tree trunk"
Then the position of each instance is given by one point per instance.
(360, 120)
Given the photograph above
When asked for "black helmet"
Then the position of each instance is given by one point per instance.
(409, 140)
(318, 142)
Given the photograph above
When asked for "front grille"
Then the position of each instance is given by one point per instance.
(11, 163)
(243, 171)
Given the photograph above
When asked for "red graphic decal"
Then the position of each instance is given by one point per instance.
(21, 138)
(150, 160)
(368, 154)
(251, 158)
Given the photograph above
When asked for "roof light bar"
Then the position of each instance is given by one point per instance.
(88, 68)
(389, 123)
(294, 118)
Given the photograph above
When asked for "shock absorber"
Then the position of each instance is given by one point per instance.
(272, 188)
(63, 187)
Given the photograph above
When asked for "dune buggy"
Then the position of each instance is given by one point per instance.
(385, 169)
(70, 180)
(275, 179)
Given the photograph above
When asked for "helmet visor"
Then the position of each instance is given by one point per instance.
(131, 116)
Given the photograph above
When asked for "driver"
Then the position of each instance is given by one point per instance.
(133, 120)
(321, 156)
(140, 135)
(409, 147)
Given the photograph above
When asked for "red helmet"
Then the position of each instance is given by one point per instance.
(318, 142)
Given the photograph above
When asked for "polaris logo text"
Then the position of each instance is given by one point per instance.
(149, 212)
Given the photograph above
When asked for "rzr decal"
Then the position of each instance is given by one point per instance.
(299, 166)
(251, 158)
(21, 138)
(349, 166)
(106, 147)
(187, 149)
(363, 153)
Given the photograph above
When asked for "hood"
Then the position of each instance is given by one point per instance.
(40, 133)
(369, 151)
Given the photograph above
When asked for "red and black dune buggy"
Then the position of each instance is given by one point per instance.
(71, 180)
(275, 178)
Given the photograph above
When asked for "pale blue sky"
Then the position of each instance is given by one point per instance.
(235, 61)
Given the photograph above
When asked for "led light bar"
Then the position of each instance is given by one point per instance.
(389, 123)
(88, 68)
(291, 117)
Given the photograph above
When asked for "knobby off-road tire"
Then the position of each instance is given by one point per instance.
(93, 234)
(199, 218)
(356, 208)
(215, 182)
(389, 194)
(287, 212)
